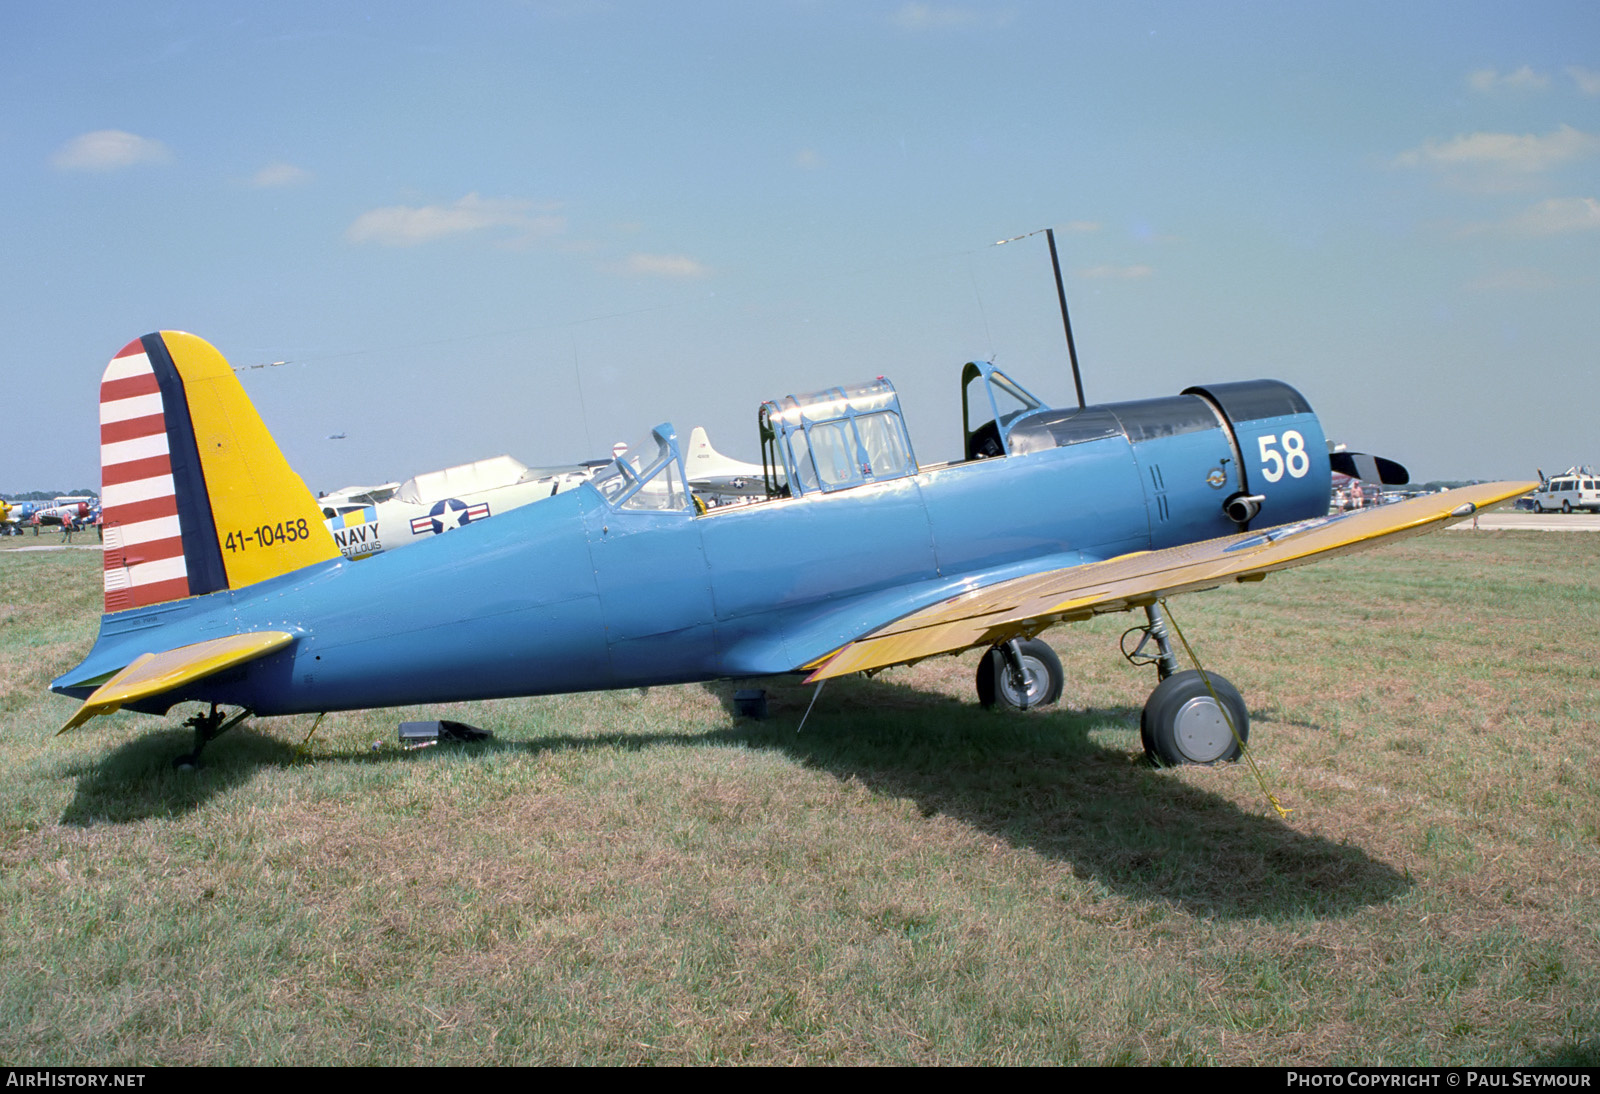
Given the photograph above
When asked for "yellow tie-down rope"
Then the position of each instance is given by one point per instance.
(303, 750)
(1244, 749)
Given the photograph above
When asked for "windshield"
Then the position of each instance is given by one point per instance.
(646, 476)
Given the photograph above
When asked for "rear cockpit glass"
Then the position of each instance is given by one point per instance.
(884, 442)
(836, 438)
(834, 453)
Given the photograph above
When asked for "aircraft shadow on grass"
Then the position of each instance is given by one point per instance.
(1035, 780)
(136, 780)
(1039, 781)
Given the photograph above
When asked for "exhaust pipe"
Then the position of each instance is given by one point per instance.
(1242, 508)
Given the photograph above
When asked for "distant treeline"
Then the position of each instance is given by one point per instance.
(50, 495)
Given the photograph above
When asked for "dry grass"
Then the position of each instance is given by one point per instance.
(630, 878)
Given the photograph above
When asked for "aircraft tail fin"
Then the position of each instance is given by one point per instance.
(195, 495)
(711, 470)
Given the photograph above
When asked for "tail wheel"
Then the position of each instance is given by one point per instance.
(207, 728)
(1183, 724)
(1042, 677)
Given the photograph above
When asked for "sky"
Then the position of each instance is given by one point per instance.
(453, 231)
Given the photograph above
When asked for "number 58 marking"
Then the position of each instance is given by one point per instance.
(1293, 458)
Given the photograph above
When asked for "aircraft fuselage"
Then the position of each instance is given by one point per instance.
(575, 594)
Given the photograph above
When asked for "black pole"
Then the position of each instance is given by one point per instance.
(1061, 294)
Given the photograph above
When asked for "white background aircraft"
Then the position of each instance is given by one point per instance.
(366, 520)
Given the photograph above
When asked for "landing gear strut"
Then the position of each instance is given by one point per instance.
(1191, 717)
(207, 728)
(1019, 674)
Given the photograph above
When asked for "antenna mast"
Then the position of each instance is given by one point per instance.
(1061, 295)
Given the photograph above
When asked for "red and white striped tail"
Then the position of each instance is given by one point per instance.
(144, 556)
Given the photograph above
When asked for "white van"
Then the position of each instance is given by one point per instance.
(1579, 488)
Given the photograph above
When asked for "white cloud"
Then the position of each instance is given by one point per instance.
(916, 15)
(280, 174)
(808, 159)
(647, 265)
(1116, 273)
(109, 150)
(1523, 79)
(1556, 217)
(406, 225)
(1551, 217)
(1587, 79)
(1506, 153)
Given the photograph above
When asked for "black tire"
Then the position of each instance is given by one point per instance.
(1566, 507)
(1183, 725)
(1039, 663)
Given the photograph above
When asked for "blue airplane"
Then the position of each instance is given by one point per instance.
(223, 585)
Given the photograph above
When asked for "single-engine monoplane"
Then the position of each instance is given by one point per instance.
(223, 586)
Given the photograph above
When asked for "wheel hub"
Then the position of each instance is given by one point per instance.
(1034, 683)
(1202, 733)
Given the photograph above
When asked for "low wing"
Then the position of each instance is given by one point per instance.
(154, 673)
(1027, 605)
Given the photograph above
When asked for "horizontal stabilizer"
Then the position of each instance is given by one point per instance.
(1024, 606)
(1359, 465)
(154, 673)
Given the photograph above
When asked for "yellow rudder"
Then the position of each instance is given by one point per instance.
(267, 522)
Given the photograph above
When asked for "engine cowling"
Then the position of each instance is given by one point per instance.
(1284, 474)
(1215, 460)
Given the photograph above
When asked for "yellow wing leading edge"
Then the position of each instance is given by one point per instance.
(1024, 606)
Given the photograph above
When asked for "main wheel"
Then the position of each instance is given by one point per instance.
(1566, 507)
(1183, 724)
(1041, 671)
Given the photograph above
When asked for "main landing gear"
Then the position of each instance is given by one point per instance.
(207, 728)
(1191, 717)
(1020, 674)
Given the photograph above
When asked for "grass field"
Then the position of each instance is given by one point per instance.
(646, 878)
